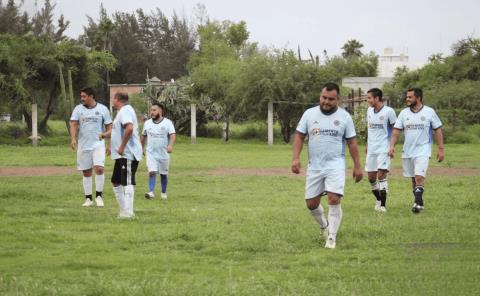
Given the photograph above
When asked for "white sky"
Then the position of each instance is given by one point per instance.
(418, 28)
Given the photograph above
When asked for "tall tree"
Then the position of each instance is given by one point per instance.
(352, 49)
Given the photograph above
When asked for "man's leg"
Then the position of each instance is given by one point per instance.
(129, 181)
(99, 184)
(118, 188)
(87, 187)
(314, 188)
(383, 187)
(316, 210)
(418, 182)
(334, 218)
(372, 178)
(164, 164)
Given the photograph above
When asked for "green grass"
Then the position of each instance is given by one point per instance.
(233, 235)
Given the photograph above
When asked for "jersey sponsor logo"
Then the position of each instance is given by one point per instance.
(375, 126)
(415, 127)
(324, 132)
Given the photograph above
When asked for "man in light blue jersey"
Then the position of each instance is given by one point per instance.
(91, 118)
(328, 128)
(420, 124)
(159, 135)
(380, 121)
(126, 152)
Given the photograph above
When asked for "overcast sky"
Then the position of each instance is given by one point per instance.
(418, 28)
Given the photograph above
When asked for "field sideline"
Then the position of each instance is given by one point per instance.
(229, 229)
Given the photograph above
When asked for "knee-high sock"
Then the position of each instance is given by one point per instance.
(129, 198)
(383, 187)
(99, 182)
(334, 220)
(375, 189)
(87, 186)
(120, 196)
(418, 193)
(151, 182)
(318, 215)
(164, 182)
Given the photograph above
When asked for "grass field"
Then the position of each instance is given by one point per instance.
(234, 234)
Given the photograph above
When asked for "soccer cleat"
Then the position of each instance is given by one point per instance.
(417, 208)
(330, 244)
(163, 195)
(149, 195)
(382, 209)
(124, 215)
(377, 205)
(324, 232)
(99, 202)
(88, 203)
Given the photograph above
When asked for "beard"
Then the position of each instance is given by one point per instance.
(156, 117)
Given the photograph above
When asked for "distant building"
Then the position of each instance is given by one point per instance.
(137, 88)
(365, 83)
(389, 62)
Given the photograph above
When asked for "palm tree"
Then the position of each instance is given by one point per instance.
(352, 49)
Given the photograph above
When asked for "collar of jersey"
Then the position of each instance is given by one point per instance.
(328, 113)
(418, 109)
(159, 121)
(378, 109)
(91, 107)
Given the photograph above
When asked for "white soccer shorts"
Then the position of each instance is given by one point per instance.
(319, 183)
(375, 162)
(87, 159)
(158, 165)
(416, 166)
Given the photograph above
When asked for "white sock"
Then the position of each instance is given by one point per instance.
(383, 185)
(334, 220)
(120, 196)
(129, 197)
(87, 185)
(318, 215)
(99, 181)
(375, 185)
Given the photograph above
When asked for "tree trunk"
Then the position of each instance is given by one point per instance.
(226, 130)
(42, 127)
(28, 118)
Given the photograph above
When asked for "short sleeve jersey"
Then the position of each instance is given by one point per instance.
(380, 129)
(418, 130)
(133, 149)
(158, 137)
(326, 137)
(91, 122)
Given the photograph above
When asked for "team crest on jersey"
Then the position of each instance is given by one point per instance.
(97, 113)
(382, 118)
(422, 118)
(336, 122)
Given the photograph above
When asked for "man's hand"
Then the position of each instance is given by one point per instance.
(73, 144)
(440, 154)
(392, 152)
(101, 136)
(121, 149)
(357, 174)
(169, 149)
(296, 165)
(108, 151)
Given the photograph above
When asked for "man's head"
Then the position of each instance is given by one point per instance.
(157, 110)
(120, 99)
(374, 97)
(414, 96)
(87, 97)
(329, 97)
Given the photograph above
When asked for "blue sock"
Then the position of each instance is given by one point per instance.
(151, 183)
(164, 181)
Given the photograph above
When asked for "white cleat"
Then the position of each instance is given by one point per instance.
(125, 216)
(330, 244)
(416, 209)
(88, 203)
(99, 202)
(377, 205)
(163, 195)
(149, 195)
(382, 209)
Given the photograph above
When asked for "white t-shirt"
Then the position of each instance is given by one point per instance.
(418, 129)
(133, 149)
(379, 129)
(326, 137)
(91, 122)
(158, 137)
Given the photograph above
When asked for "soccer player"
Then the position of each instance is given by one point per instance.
(380, 120)
(91, 118)
(126, 152)
(159, 135)
(418, 122)
(328, 128)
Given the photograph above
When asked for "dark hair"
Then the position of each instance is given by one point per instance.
(331, 86)
(89, 91)
(376, 92)
(160, 105)
(416, 92)
(121, 96)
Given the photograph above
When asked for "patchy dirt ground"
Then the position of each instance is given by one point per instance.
(37, 171)
(58, 170)
(432, 171)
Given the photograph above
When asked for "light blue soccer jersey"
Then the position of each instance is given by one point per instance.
(133, 149)
(418, 129)
(379, 129)
(91, 122)
(157, 137)
(326, 138)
